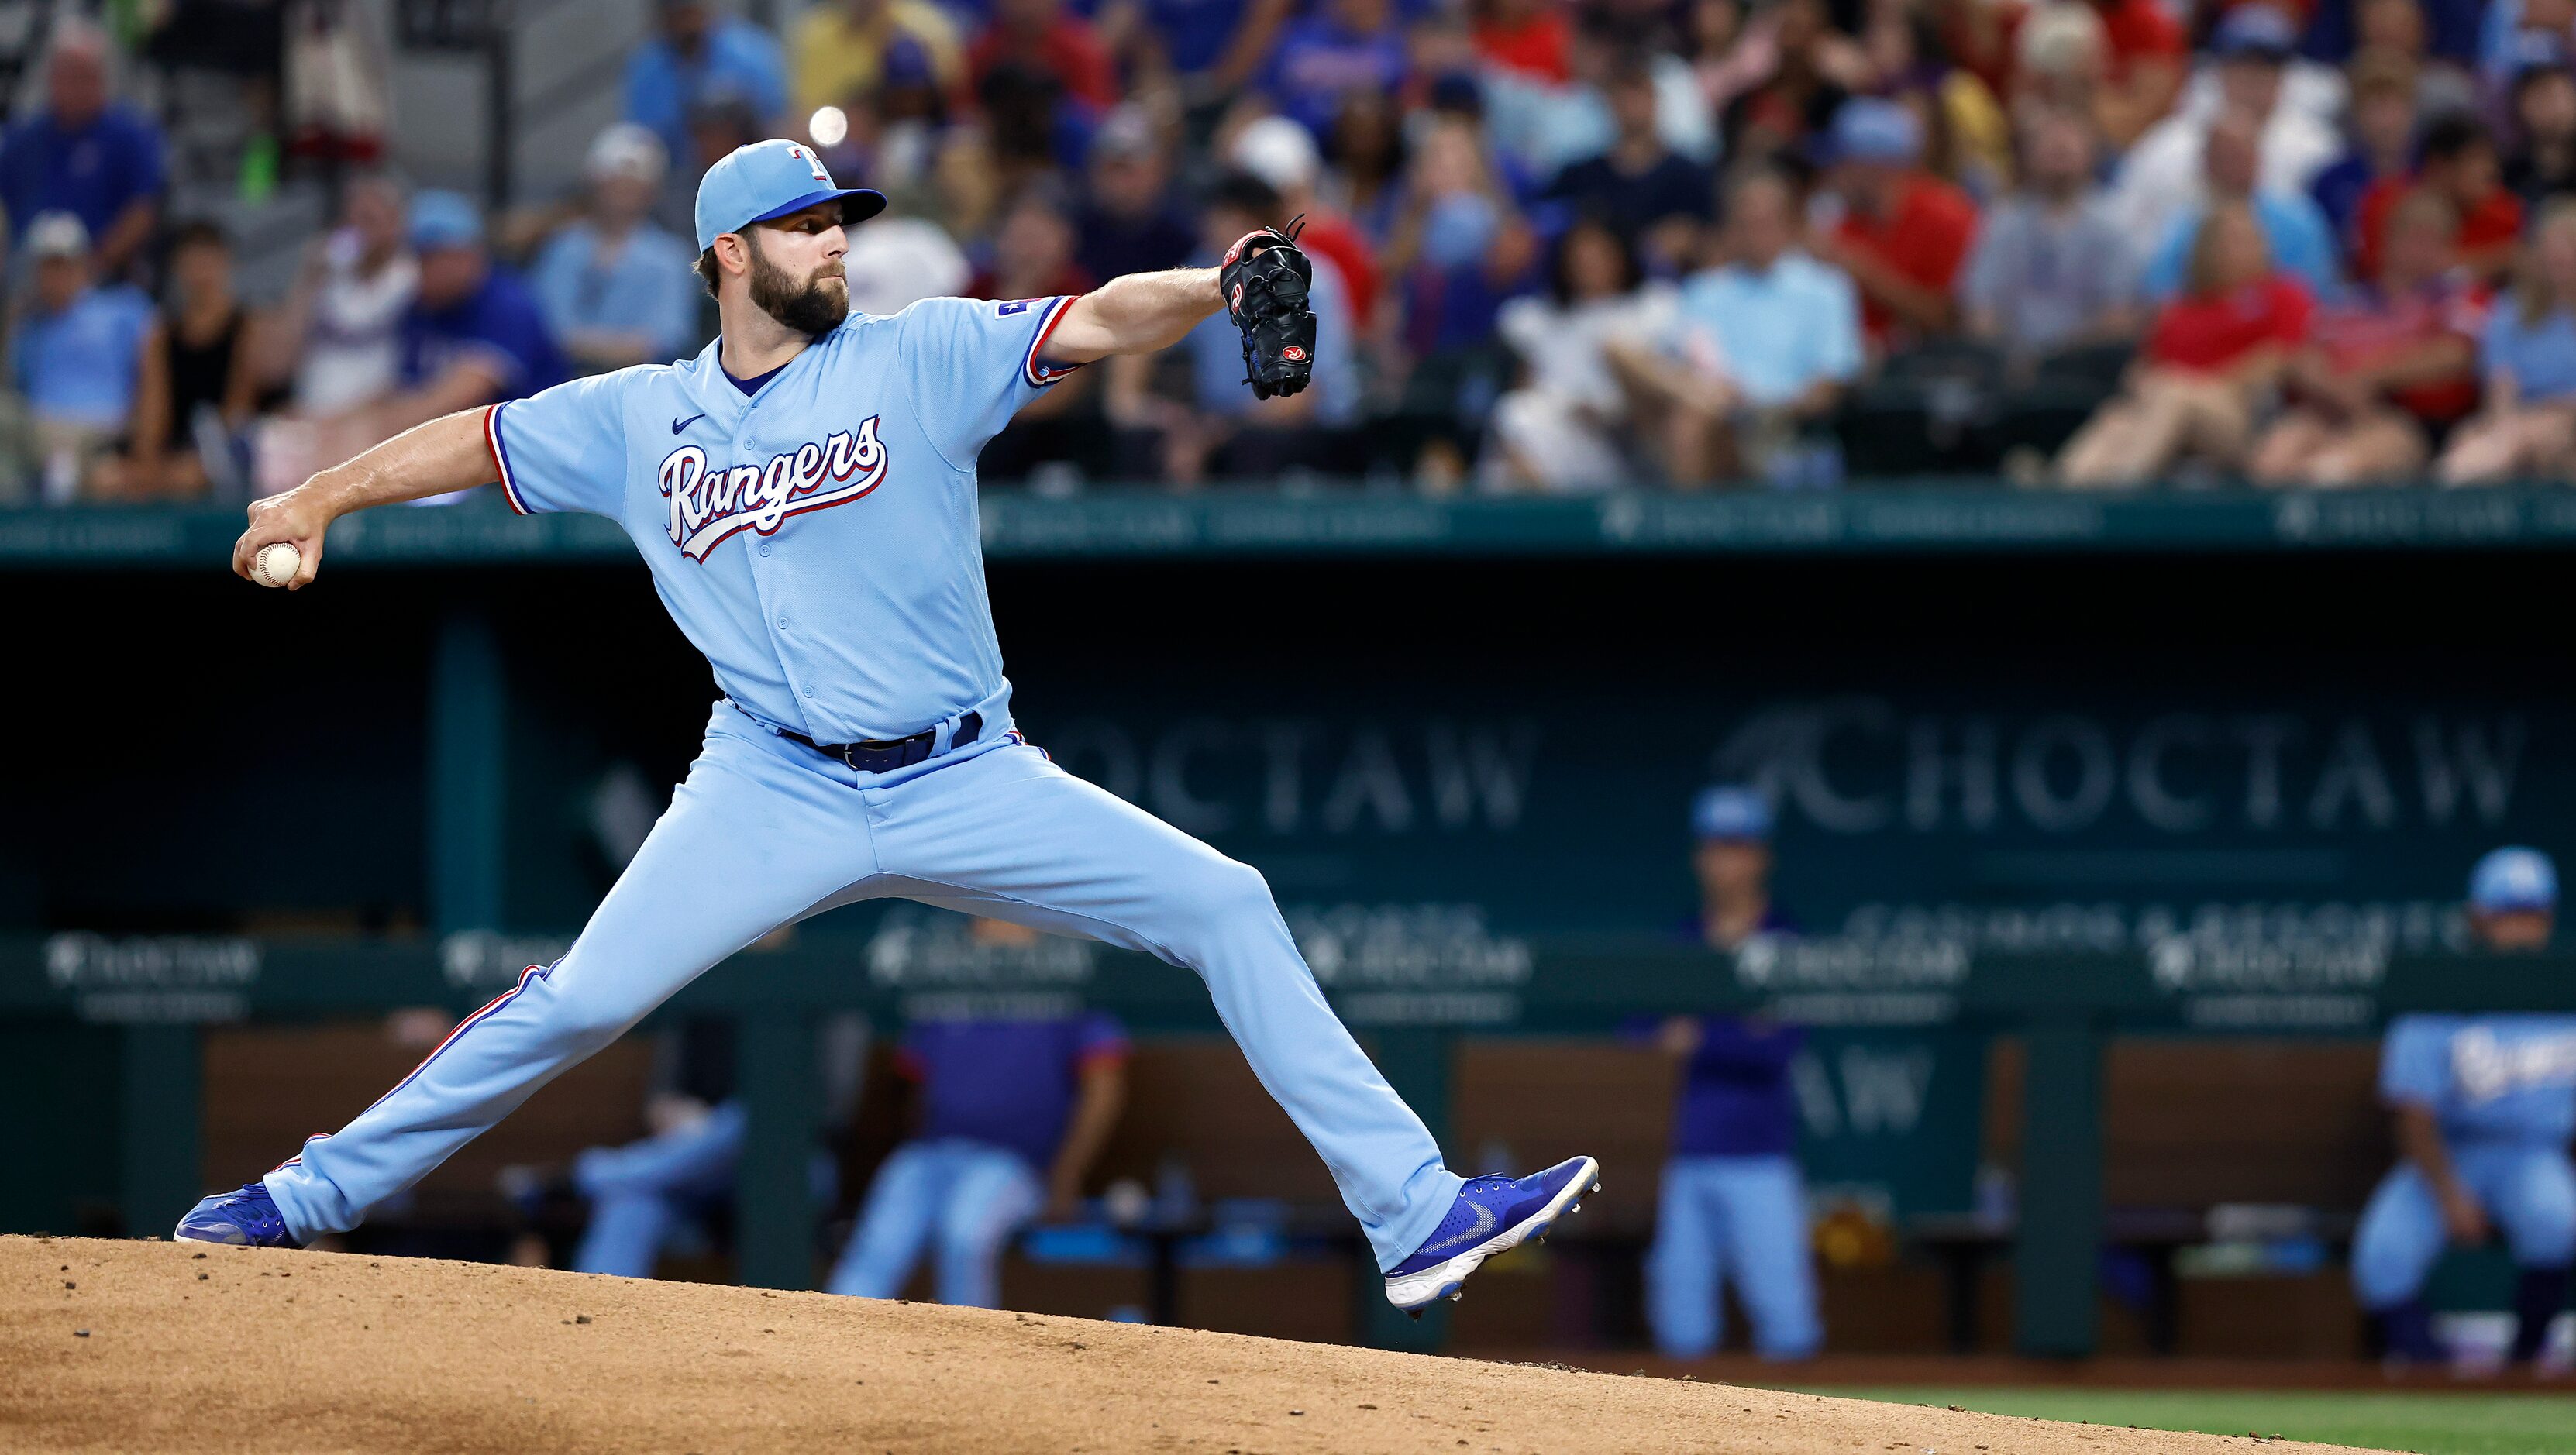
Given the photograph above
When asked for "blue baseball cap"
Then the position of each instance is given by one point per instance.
(1867, 129)
(443, 220)
(2507, 880)
(1728, 814)
(2257, 31)
(768, 180)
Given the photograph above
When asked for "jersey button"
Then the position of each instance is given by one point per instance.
(782, 623)
(809, 691)
(764, 548)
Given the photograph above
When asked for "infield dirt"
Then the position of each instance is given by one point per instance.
(133, 1346)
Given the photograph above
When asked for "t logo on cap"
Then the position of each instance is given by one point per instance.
(768, 180)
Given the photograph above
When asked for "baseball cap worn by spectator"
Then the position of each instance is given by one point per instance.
(443, 220)
(57, 235)
(768, 180)
(2514, 880)
(1731, 815)
(627, 150)
(1867, 129)
(2254, 33)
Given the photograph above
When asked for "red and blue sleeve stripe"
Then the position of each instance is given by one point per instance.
(1040, 375)
(501, 459)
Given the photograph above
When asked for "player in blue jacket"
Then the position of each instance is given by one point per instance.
(2485, 1106)
(804, 493)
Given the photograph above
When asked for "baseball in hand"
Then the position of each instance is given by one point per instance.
(276, 563)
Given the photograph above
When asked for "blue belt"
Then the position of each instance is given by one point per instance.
(893, 753)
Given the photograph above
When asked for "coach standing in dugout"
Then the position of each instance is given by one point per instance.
(1733, 1207)
(2484, 1106)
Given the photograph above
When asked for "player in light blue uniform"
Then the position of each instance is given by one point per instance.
(2485, 1107)
(804, 492)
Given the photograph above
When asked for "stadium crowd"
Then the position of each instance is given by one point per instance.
(1562, 244)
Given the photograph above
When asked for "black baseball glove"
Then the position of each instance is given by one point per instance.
(1265, 278)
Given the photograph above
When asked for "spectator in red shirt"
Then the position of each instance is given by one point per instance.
(2457, 160)
(1904, 233)
(2213, 351)
(1043, 37)
(1530, 37)
(2384, 373)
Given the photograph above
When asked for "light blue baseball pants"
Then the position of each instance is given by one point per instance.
(766, 831)
(967, 1196)
(2528, 1192)
(1742, 1220)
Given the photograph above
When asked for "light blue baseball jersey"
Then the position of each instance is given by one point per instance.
(2492, 1078)
(817, 540)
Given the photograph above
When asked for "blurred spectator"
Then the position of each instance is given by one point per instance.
(2484, 1107)
(2381, 123)
(473, 334)
(1282, 154)
(1012, 1115)
(2214, 351)
(1560, 429)
(1127, 224)
(2294, 231)
(85, 153)
(1526, 37)
(1367, 148)
(616, 289)
(1459, 249)
(1033, 254)
(2542, 163)
(2526, 426)
(1041, 38)
(696, 58)
(2396, 29)
(1733, 1207)
(1761, 344)
(2385, 371)
(1209, 424)
(198, 386)
(1903, 233)
(1213, 46)
(2160, 178)
(895, 262)
(2051, 268)
(1641, 187)
(1340, 47)
(2511, 26)
(2143, 58)
(337, 336)
(2457, 160)
(841, 48)
(1784, 76)
(77, 356)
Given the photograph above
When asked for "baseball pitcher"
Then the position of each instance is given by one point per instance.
(804, 492)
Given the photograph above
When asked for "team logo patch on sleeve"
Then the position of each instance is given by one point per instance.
(1016, 305)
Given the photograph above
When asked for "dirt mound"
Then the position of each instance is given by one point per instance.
(158, 1346)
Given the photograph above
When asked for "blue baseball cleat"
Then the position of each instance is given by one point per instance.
(1491, 1215)
(247, 1219)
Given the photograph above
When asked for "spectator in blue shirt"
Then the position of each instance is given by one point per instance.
(698, 59)
(86, 154)
(2525, 427)
(2484, 1107)
(1763, 343)
(616, 289)
(77, 356)
(472, 335)
(1343, 46)
(1011, 1115)
(2294, 230)
(1733, 1207)
(1214, 46)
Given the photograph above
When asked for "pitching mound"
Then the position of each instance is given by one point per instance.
(157, 1346)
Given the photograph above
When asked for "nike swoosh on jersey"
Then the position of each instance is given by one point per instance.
(678, 425)
(1485, 1221)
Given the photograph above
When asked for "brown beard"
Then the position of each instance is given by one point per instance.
(812, 307)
